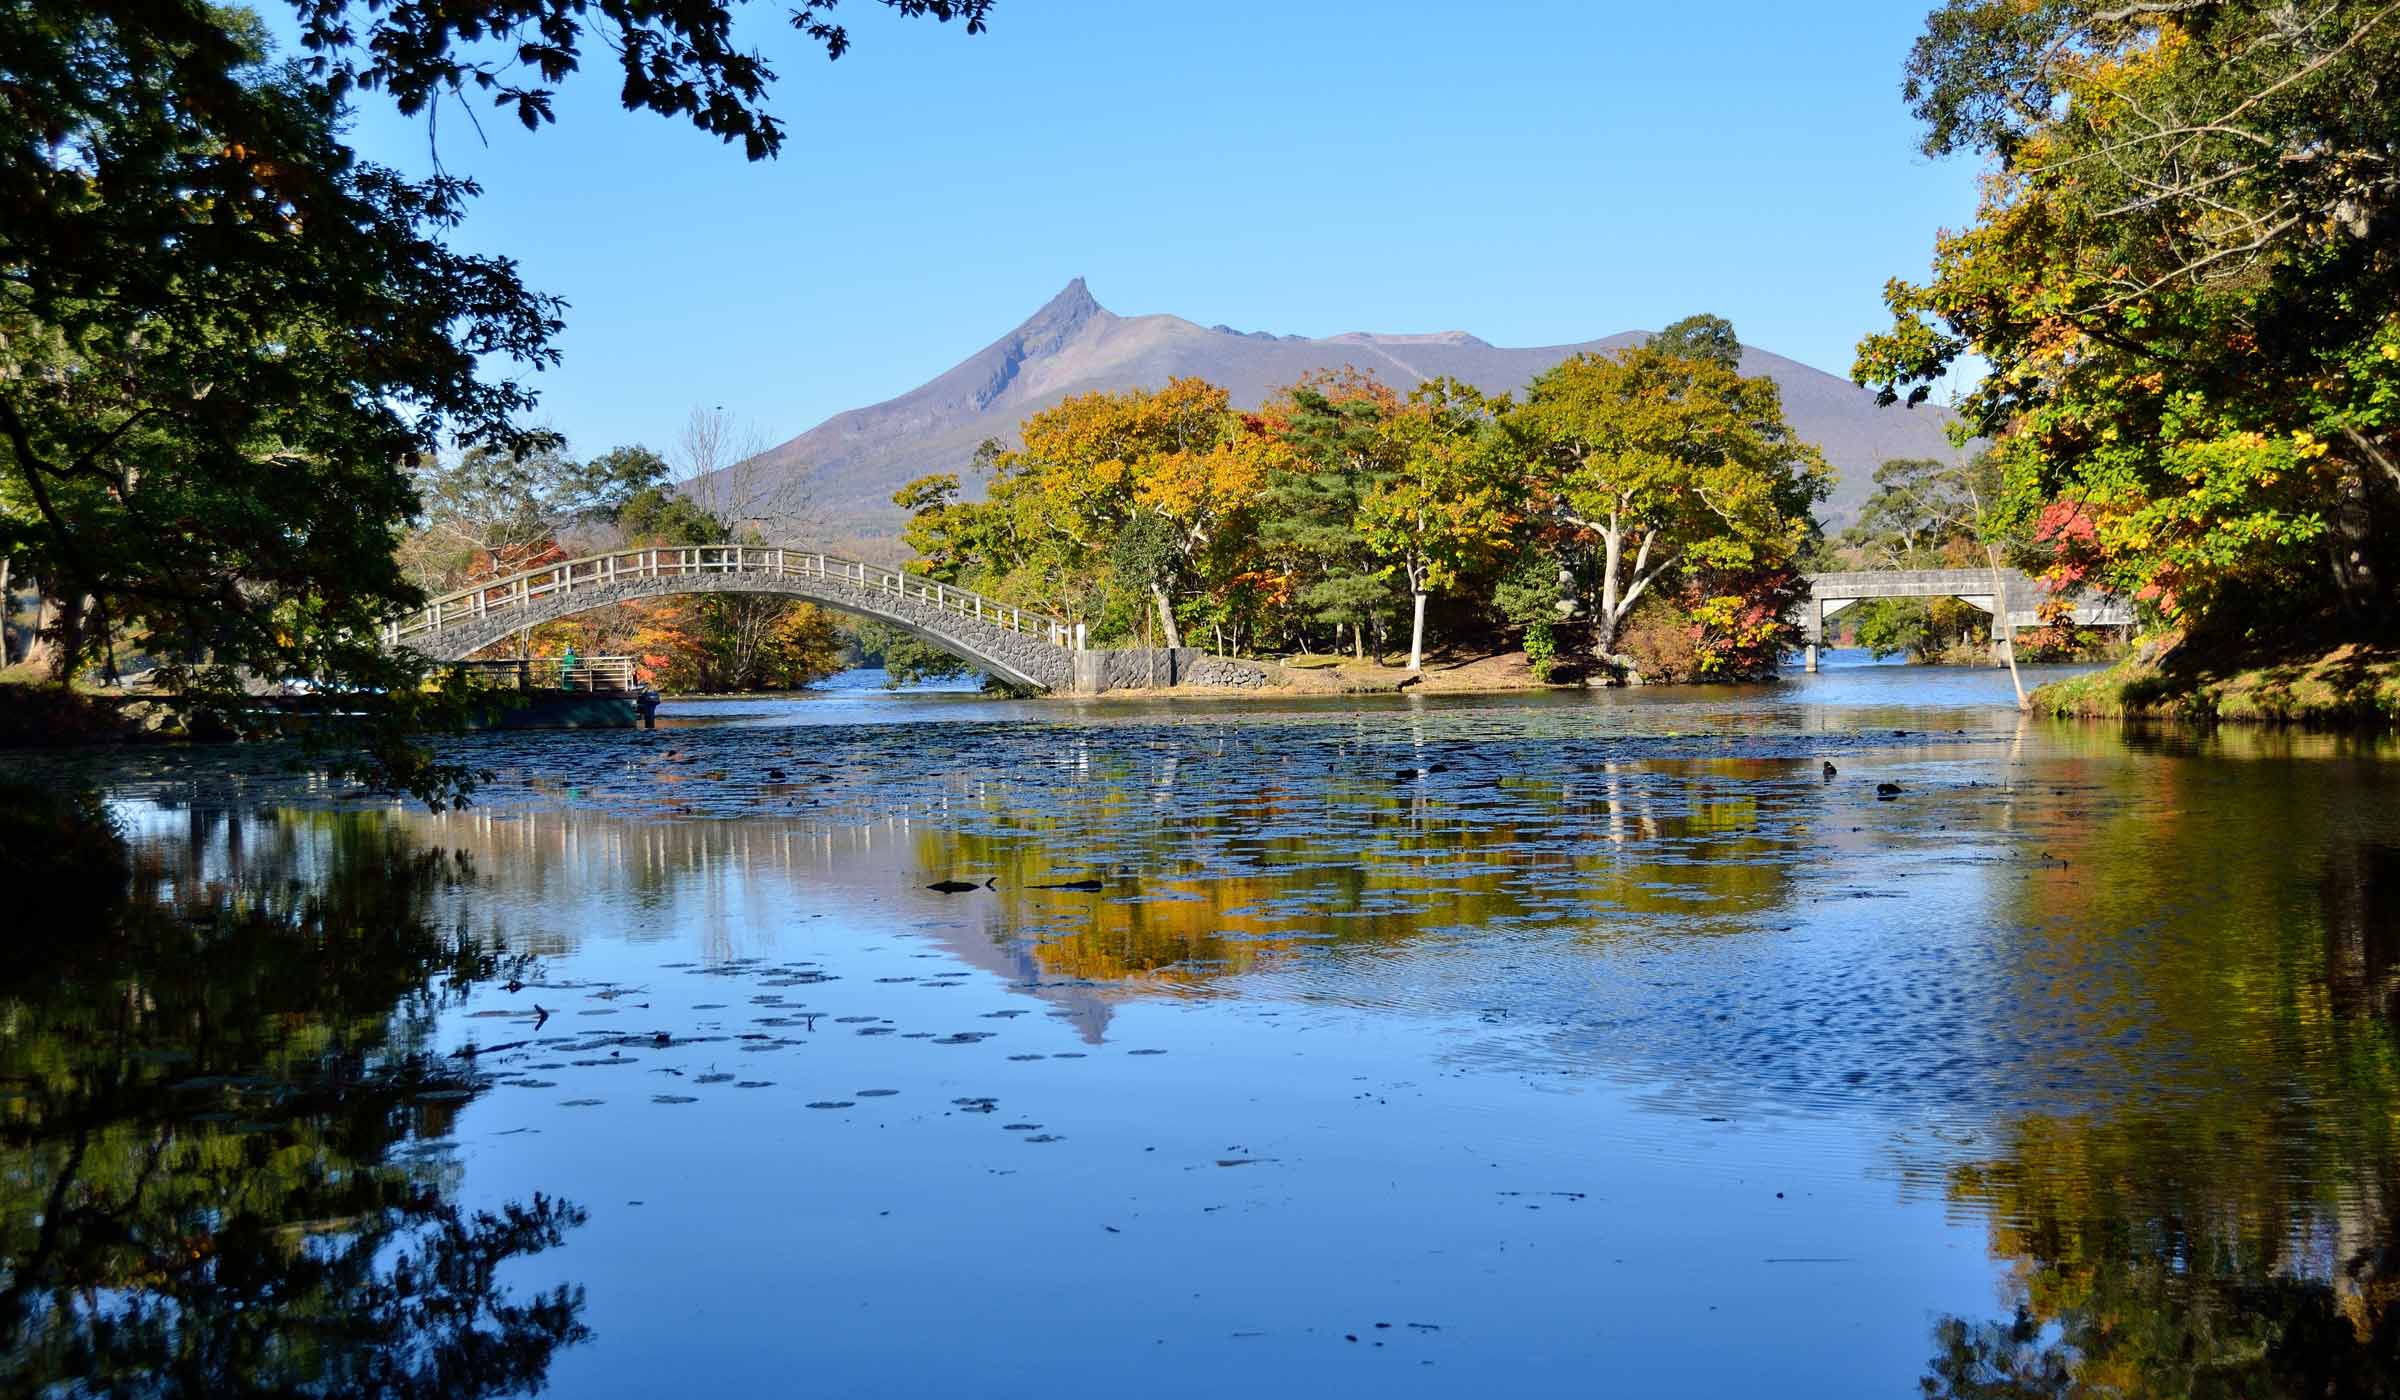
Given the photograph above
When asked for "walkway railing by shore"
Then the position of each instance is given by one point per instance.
(599, 675)
(519, 591)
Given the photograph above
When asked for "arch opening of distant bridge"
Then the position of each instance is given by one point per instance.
(2011, 596)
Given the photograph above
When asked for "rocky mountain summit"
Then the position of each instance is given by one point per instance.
(1073, 345)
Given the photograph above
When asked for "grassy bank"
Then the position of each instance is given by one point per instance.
(36, 715)
(2355, 683)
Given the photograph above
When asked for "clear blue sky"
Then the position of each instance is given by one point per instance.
(1533, 171)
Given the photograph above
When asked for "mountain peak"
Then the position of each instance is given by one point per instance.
(1073, 345)
(986, 376)
(1073, 306)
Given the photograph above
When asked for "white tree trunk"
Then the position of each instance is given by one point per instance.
(2006, 633)
(1416, 635)
(1604, 639)
(1166, 617)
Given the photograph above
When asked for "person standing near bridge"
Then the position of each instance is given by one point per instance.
(566, 668)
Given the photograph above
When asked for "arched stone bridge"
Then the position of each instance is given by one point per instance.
(1024, 649)
(2017, 606)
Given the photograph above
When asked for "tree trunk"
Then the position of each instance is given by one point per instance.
(2001, 629)
(1166, 617)
(2356, 584)
(37, 646)
(1416, 635)
(1613, 545)
(66, 639)
(1358, 641)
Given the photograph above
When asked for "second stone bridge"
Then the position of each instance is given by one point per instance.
(2014, 603)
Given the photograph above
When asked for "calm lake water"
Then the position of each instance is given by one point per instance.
(1538, 1045)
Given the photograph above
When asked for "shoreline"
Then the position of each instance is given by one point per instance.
(2352, 685)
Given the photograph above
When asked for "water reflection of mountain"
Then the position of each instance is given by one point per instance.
(1728, 922)
(735, 890)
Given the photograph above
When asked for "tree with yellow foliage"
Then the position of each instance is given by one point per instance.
(1450, 504)
(1145, 482)
(1672, 463)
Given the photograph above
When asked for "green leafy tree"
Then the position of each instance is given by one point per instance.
(1920, 515)
(223, 337)
(214, 361)
(1702, 337)
(1336, 438)
(1666, 464)
(1923, 628)
(2183, 280)
(603, 487)
(657, 516)
(677, 59)
(1449, 506)
(904, 659)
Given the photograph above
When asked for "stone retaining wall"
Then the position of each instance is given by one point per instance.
(1154, 668)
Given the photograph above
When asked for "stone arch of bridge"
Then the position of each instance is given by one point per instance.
(1028, 652)
(1981, 602)
(2006, 594)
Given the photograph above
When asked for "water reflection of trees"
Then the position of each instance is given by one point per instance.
(216, 1173)
(1239, 879)
(2239, 1233)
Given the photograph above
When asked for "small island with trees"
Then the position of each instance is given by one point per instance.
(1640, 516)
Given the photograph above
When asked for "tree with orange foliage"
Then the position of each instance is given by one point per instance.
(1145, 482)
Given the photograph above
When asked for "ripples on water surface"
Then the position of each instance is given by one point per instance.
(1532, 1045)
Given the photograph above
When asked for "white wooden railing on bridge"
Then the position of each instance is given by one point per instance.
(519, 591)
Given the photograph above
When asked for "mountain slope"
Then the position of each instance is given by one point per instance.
(855, 460)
